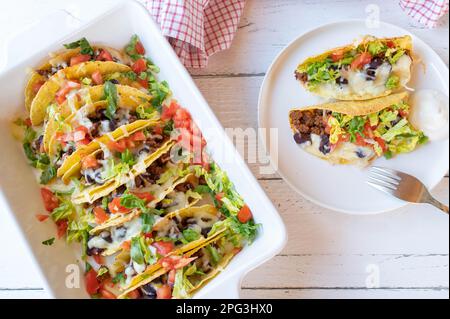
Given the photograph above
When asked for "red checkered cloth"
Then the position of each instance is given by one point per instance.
(427, 12)
(197, 28)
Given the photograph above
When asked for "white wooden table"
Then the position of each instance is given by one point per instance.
(329, 255)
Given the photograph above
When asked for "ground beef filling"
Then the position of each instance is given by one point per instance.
(311, 122)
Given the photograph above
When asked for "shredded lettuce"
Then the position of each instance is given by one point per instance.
(376, 47)
(182, 285)
(394, 55)
(393, 82)
(400, 128)
(387, 116)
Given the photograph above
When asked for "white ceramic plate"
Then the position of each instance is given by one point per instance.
(19, 192)
(343, 188)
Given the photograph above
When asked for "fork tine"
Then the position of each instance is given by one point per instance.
(381, 188)
(382, 182)
(386, 171)
(384, 177)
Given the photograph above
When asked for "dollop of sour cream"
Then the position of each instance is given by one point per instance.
(430, 113)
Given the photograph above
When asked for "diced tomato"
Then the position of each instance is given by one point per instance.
(79, 59)
(138, 136)
(60, 98)
(148, 235)
(165, 292)
(143, 83)
(37, 86)
(80, 133)
(382, 143)
(68, 86)
(50, 200)
(245, 214)
(135, 294)
(361, 60)
(158, 129)
(147, 197)
(129, 143)
(106, 294)
(91, 281)
(99, 259)
(89, 162)
(100, 215)
(182, 119)
(27, 122)
(104, 56)
(338, 55)
(219, 196)
(61, 228)
(163, 248)
(390, 44)
(360, 140)
(42, 217)
(403, 113)
(139, 66)
(169, 111)
(368, 132)
(115, 207)
(171, 278)
(117, 146)
(85, 141)
(126, 245)
(175, 262)
(107, 282)
(97, 77)
(139, 48)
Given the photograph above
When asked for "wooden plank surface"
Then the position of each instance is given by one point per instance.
(329, 255)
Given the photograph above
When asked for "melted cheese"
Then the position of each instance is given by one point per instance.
(403, 69)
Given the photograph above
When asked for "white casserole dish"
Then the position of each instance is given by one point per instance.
(19, 192)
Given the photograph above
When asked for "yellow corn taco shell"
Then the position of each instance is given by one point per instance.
(124, 218)
(128, 97)
(326, 92)
(63, 57)
(156, 270)
(47, 92)
(72, 164)
(345, 153)
(201, 213)
(95, 192)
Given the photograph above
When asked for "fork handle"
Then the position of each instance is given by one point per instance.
(438, 204)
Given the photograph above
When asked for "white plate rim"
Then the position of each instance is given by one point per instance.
(270, 70)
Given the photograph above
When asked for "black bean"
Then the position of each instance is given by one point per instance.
(302, 138)
(112, 125)
(94, 251)
(89, 179)
(205, 231)
(121, 232)
(148, 291)
(98, 177)
(360, 154)
(106, 236)
(325, 144)
(375, 63)
(114, 81)
(145, 149)
(341, 81)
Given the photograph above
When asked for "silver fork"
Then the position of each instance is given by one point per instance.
(402, 186)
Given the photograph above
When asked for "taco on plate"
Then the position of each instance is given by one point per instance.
(356, 132)
(368, 69)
